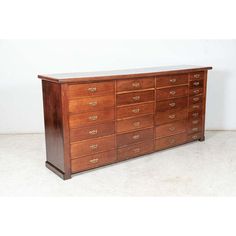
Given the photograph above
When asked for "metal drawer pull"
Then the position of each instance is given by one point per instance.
(92, 90)
(171, 116)
(196, 83)
(136, 98)
(94, 146)
(195, 114)
(194, 137)
(135, 84)
(172, 80)
(172, 141)
(92, 132)
(172, 92)
(171, 128)
(94, 160)
(172, 104)
(195, 99)
(196, 91)
(93, 117)
(136, 123)
(196, 106)
(94, 103)
(194, 122)
(136, 150)
(136, 110)
(136, 136)
(196, 76)
(194, 129)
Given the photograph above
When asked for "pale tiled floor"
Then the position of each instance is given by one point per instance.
(196, 169)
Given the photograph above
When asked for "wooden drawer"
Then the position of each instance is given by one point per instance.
(135, 123)
(178, 103)
(194, 137)
(194, 126)
(134, 97)
(134, 110)
(134, 137)
(135, 150)
(93, 161)
(171, 128)
(92, 131)
(90, 89)
(92, 146)
(195, 99)
(170, 116)
(135, 84)
(173, 92)
(195, 91)
(195, 114)
(91, 104)
(195, 107)
(170, 141)
(196, 75)
(171, 80)
(196, 83)
(91, 118)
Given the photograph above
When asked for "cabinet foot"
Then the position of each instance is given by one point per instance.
(202, 139)
(58, 172)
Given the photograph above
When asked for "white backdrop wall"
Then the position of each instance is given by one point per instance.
(21, 109)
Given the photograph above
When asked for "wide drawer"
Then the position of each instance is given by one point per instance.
(195, 99)
(135, 150)
(170, 141)
(196, 75)
(171, 80)
(94, 131)
(91, 104)
(173, 92)
(134, 137)
(135, 84)
(93, 161)
(92, 146)
(135, 123)
(178, 103)
(135, 110)
(134, 97)
(90, 89)
(170, 116)
(91, 118)
(171, 128)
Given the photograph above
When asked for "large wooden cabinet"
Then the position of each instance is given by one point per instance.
(95, 119)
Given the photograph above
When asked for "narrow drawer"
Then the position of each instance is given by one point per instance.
(90, 118)
(171, 128)
(196, 83)
(91, 104)
(195, 107)
(170, 116)
(171, 80)
(173, 92)
(178, 103)
(134, 110)
(134, 97)
(135, 84)
(195, 114)
(196, 75)
(92, 146)
(93, 161)
(90, 89)
(95, 131)
(194, 126)
(195, 91)
(195, 99)
(135, 123)
(135, 150)
(170, 141)
(134, 137)
(194, 137)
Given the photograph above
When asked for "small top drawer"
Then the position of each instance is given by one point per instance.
(90, 89)
(196, 75)
(135, 84)
(171, 80)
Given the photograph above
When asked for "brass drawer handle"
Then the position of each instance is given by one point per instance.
(196, 83)
(93, 104)
(136, 150)
(92, 90)
(171, 116)
(172, 129)
(172, 104)
(94, 146)
(94, 160)
(93, 117)
(194, 129)
(196, 106)
(136, 110)
(172, 141)
(172, 80)
(194, 122)
(196, 91)
(136, 98)
(136, 84)
(196, 99)
(136, 124)
(195, 114)
(172, 92)
(135, 137)
(92, 132)
(194, 137)
(196, 76)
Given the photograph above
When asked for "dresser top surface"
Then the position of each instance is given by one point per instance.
(120, 74)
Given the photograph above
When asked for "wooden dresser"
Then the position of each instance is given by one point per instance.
(98, 118)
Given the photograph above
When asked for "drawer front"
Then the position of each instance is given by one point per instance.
(90, 118)
(196, 83)
(173, 92)
(134, 110)
(194, 137)
(93, 161)
(135, 84)
(91, 104)
(135, 150)
(196, 75)
(195, 115)
(178, 103)
(134, 137)
(195, 99)
(90, 89)
(194, 126)
(135, 97)
(92, 146)
(170, 116)
(171, 128)
(195, 91)
(171, 80)
(195, 107)
(95, 131)
(170, 141)
(135, 123)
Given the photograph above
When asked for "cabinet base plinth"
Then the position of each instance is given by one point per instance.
(58, 172)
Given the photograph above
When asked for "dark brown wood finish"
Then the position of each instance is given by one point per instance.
(95, 119)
